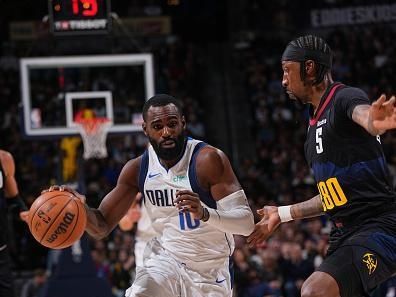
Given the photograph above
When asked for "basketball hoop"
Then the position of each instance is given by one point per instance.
(94, 133)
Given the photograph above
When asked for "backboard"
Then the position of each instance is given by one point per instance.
(55, 88)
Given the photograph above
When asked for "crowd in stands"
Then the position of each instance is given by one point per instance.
(277, 174)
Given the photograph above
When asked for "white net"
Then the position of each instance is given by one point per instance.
(94, 134)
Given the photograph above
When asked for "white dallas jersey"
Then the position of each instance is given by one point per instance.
(183, 237)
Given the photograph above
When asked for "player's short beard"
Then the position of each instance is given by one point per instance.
(295, 98)
(169, 154)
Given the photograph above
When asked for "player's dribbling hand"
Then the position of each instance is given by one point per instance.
(270, 220)
(67, 189)
(187, 200)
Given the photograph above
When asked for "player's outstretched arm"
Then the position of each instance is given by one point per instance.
(378, 117)
(272, 217)
(215, 174)
(101, 221)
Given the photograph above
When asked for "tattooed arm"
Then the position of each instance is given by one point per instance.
(307, 209)
(272, 216)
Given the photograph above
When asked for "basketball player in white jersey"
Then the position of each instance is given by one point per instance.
(195, 204)
(137, 213)
(144, 233)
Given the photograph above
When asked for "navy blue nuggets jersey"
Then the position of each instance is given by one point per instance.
(348, 163)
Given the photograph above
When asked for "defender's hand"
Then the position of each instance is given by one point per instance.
(270, 220)
(187, 200)
(383, 114)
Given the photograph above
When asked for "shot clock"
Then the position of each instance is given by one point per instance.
(79, 16)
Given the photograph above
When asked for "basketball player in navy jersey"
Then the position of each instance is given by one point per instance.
(195, 204)
(9, 198)
(343, 149)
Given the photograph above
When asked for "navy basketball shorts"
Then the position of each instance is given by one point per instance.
(362, 262)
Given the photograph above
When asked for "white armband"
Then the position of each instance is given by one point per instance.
(285, 213)
(233, 214)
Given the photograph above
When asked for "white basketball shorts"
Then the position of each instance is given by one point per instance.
(164, 276)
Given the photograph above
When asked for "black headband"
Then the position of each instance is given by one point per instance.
(298, 54)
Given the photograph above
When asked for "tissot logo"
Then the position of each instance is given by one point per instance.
(62, 227)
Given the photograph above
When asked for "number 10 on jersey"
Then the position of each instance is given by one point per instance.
(186, 222)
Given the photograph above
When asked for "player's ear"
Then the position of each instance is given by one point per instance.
(183, 120)
(144, 127)
(309, 67)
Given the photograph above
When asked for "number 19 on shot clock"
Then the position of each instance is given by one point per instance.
(79, 16)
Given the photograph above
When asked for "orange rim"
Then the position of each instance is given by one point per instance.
(91, 125)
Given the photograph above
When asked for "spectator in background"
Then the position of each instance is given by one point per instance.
(294, 269)
(102, 266)
(34, 285)
(121, 272)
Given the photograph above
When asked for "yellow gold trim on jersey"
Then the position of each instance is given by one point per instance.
(331, 193)
(371, 262)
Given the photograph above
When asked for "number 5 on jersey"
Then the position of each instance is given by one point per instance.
(319, 144)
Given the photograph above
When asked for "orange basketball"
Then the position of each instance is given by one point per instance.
(57, 219)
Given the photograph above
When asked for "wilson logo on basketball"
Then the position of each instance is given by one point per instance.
(62, 227)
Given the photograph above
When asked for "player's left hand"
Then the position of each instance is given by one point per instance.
(270, 220)
(66, 189)
(383, 114)
(187, 200)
